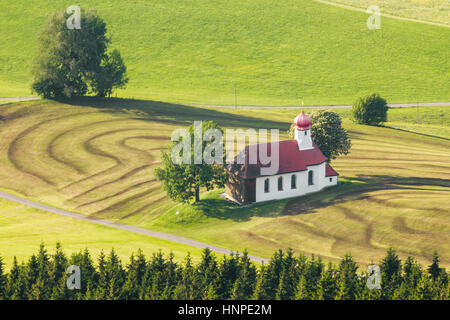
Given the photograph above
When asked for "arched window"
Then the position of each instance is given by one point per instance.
(266, 185)
(280, 184)
(311, 177)
(293, 181)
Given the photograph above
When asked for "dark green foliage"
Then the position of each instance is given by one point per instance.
(182, 181)
(285, 277)
(74, 62)
(391, 268)
(371, 110)
(329, 135)
(347, 283)
(434, 270)
(3, 280)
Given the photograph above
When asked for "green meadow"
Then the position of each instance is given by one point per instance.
(275, 52)
(97, 157)
(24, 228)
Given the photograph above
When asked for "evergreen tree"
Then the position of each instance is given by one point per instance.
(102, 289)
(115, 276)
(185, 289)
(391, 268)
(246, 280)
(229, 270)
(3, 280)
(347, 284)
(136, 271)
(58, 274)
(302, 289)
(424, 288)
(205, 274)
(13, 280)
(327, 288)
(434, 270)
(288, 279)
(31, 277)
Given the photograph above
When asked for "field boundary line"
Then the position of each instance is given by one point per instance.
(126, 227)
(387, 15)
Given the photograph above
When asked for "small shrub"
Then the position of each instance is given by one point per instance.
(371, 110)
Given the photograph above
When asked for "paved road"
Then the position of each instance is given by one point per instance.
(117, 225)
(352, 8)
(394, 105)
(19, 98)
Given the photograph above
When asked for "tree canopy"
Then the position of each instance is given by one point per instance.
(75, 62)
(286, 277)
(329, 135)
(182, 181)
(371, 109)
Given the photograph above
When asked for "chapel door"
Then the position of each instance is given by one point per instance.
(251, 190)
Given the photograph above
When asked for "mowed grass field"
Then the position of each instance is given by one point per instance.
(97, 157)
(276, 52)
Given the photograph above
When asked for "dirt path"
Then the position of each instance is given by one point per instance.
(121, 226)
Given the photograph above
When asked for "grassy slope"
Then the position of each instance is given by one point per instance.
(22, 229)
(276, 52)
(97, 158)
(427, 10)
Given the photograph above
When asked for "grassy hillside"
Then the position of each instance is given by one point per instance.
(276, 52)
(97, 157)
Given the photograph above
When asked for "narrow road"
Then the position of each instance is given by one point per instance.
(121, 226)
(387, 15)
(394, 105)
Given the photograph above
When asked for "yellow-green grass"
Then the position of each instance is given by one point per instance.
(277, 52)
(426, 10)
(23, 229)
(97, 157)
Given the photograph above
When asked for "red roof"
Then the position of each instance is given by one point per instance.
(329, 171)
(291, 159)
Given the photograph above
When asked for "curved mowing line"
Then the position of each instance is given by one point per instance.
(399, 225)
(13, 148)
(74, 166)
(145, 207)
(89, 148)
(123, 202)
(403, 206)
(126, 175)
(117, 193)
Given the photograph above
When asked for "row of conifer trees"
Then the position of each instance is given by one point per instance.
(286, 276)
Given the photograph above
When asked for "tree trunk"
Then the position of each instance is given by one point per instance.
(197, 194)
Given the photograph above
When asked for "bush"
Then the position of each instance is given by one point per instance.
(328, 134)
(371, 110)
(75, 62)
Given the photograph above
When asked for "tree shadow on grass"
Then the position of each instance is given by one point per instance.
(219, 208)
(358, 188)
(178, 114)
(419, 133)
